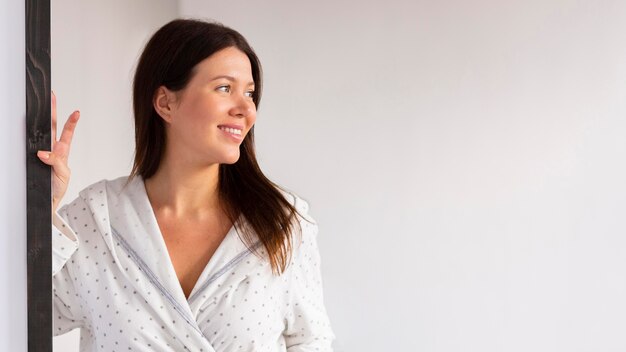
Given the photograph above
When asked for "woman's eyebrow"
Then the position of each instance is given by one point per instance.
(230, 78)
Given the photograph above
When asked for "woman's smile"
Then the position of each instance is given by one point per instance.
(232, 131)
(210, 118)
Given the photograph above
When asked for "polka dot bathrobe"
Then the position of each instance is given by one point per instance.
(113, 279)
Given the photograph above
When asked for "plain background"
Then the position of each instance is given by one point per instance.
(465, 160)
(13, 309)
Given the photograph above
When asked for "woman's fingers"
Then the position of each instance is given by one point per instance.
(44, 156)
(69, 127)
(60, 173)
(61, 149)
(57, 158)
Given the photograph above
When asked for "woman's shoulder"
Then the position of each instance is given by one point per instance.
(299, 203)
(305, 251)
(294, 199)
(112, 191)
(306, 229)
(97, 194)
(105, 186)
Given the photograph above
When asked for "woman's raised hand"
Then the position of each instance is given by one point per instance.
(57, 158)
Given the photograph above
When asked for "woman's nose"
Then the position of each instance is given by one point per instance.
(243, 107)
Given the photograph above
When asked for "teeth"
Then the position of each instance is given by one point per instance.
(231, 130)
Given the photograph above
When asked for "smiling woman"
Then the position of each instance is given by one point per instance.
(464, 158)
(211, 111)
(205, 124)
(196, 248)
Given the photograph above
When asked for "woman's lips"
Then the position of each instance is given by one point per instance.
(233, 131)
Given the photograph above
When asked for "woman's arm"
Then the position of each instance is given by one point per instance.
(308, 327)
(66, 311)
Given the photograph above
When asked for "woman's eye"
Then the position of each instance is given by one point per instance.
(225, 89)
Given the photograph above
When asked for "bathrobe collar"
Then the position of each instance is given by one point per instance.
(130, 229)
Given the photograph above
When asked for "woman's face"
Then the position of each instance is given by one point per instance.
(212, 115)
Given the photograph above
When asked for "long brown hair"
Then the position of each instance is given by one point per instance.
(169, 59)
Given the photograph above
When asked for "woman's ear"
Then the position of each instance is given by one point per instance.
(164, 102)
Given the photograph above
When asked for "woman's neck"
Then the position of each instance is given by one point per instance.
(182, 190)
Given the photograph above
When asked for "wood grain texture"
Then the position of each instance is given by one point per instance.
(38, 137)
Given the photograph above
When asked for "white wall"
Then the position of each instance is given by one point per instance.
(465, 161)
(13, 309)
(95, 46)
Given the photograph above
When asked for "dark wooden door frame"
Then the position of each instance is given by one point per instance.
(38, 196)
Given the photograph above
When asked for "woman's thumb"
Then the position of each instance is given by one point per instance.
(45, 156)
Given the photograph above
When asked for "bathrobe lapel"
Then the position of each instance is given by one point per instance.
(125, 218)
(223, 270)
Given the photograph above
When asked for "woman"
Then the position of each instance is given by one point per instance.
(196, 250)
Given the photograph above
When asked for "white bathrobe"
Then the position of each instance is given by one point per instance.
(112, 277)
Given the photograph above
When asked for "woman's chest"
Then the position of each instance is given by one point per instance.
(249, 312)
(190, 246)
(245, 306)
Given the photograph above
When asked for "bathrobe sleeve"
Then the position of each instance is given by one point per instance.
(307, 324)
(65, 310)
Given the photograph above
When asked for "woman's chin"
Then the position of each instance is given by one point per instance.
(231, 159)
